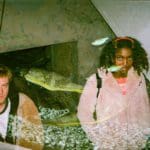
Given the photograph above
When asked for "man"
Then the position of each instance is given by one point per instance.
(20, 123)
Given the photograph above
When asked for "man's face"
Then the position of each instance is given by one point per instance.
(4, 88)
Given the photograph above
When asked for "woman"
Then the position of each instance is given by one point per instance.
(122, 106)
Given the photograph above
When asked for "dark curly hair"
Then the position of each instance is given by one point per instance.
(140, 59)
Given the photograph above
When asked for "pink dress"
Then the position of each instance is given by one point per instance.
(123, 114)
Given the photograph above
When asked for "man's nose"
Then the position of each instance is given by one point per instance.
(1, 91)
(125, 62)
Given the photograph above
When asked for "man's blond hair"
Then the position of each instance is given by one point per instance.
(5, 72)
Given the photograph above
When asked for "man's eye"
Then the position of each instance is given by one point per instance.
(5, 85)
(130, 58)
(119, 58)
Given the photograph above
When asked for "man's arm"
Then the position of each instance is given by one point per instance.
(31, 133)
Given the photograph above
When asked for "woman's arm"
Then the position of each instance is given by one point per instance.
(86, 108)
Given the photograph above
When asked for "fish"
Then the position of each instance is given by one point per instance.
(51, 81)
(100, 41)
(114, 68)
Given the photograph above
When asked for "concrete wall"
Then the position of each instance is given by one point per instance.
(33, 23)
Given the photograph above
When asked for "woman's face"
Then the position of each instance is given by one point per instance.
(123, 57)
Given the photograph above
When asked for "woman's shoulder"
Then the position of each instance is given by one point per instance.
(103, 73)
(99, 74)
